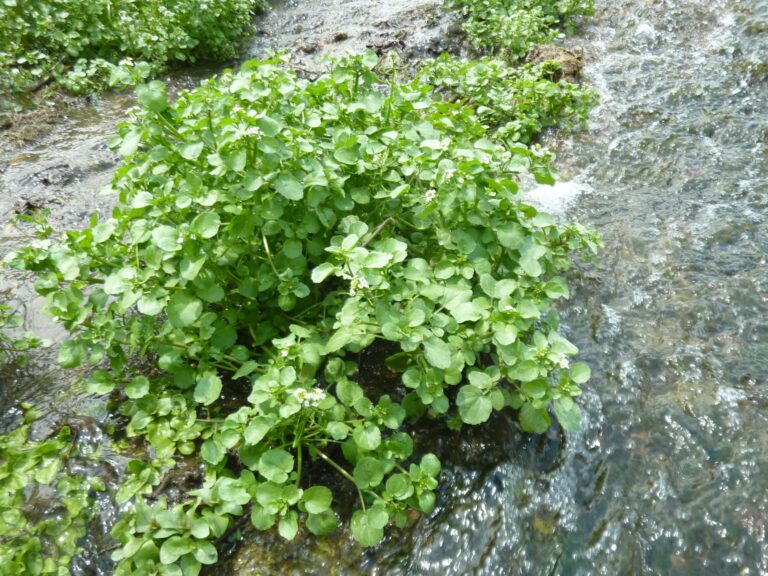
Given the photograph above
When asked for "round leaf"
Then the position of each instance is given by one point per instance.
(275, 465)
(317, 499)
(474, 406)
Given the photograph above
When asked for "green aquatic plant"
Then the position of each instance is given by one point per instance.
(44, 507)
(513, 27)
(13, 347)
(82, 45)
(516, 103)
(269, 230)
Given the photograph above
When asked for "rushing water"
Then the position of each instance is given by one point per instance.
(669, 472)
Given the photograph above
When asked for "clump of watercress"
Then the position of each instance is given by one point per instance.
(83, 45)
(516, 103)
(513, 27)
(44, 506)
(268, 230)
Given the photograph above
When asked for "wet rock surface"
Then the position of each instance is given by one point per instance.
(571, 61)
(415, 29)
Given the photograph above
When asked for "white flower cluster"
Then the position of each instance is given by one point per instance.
(359, 283)
(562, 361)
(430, 195)
(310, 398)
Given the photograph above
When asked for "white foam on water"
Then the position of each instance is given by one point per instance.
(556, 199)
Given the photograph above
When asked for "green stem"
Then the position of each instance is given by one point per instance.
(343, 472)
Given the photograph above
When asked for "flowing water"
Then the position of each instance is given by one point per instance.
(669, 472)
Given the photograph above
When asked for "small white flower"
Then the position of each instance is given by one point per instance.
(563, 361)
(284, 353)
(358, 283)
(448, 174)
(430, 195)
(310, 398)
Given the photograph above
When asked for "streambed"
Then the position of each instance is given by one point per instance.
(667, 474)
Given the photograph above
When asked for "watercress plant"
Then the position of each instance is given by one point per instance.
(44, 506)
(516, 103)
(269, 230)
(82, 45)
(512, 27)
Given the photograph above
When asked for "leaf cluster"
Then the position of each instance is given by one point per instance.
(513, 27)
(83, 45)
(44, 508)
(270, 229)
(516, 103)
(12, 345)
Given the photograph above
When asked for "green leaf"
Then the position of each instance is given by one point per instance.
(399, 486)
(208, 388)
(173, 548)
(288, 187)
(474, 406)
(275, 465)
(580, 372)
(534, 419)
(288, 525)
(368, 525)
(535, 389)
(524, 371)
(261, 519)
(166, 238)
(150, 306)
(322, 272)
(567, 413)
(205, 552)
(322, 524)
(206, 224)
(317, 499)
(137, 388)
(367, 437)
(376, 260)
(430, 465)
(103, 232)
(152, 96)
(370, 59)
(245, 369)
(504, 333)
(369, 472)
(189, 269)
(479, 379)
(191, 150)
(212, 451)
(346, 155)
(437, 353)
(183, 310)
(72, 354)
(292, 248)
(269, 126)
(257, 429)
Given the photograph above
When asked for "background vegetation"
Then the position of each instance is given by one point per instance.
(82, 45)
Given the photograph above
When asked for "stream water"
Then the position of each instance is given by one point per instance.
(669, 472)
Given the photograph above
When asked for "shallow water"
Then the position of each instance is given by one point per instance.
(668, 472)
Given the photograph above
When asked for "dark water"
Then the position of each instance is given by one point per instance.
(669, 472)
